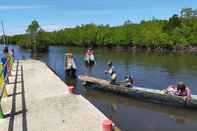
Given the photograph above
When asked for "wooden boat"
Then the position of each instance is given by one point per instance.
(153, 95)
(116, 101)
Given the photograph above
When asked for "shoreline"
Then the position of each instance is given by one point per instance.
(130, 48)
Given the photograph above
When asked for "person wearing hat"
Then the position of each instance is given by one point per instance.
(110, 70)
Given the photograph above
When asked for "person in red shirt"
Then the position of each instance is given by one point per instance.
(89, 56)
(89, 51)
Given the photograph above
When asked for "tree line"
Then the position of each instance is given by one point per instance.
(180, 29)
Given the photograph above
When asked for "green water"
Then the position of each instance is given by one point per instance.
(150, 70)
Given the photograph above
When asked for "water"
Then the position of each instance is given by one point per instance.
(150, 70)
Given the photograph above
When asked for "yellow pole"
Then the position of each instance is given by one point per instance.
(2, 83)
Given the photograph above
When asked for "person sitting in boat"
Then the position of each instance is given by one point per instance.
(180, 89)
(184, 91)
(129, 81)
(113, 77)
(172, 90)
(110, 70)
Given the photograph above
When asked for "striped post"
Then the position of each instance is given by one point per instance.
(2, 82)
(1, 112)
(3, 88)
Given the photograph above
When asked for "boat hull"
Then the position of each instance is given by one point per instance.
(156, 96)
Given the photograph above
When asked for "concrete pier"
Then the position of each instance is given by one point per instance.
(39, 101)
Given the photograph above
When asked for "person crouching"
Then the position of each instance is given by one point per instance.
(129, 81)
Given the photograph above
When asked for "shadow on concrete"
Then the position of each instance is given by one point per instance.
(15, 75)
(13, 112)
(10, 83)
(17, 93)
(15, 70)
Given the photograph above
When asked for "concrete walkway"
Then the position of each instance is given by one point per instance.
(39, 101)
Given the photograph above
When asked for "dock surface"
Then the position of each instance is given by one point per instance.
(39, 101)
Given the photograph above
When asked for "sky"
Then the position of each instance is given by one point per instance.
(57, 14)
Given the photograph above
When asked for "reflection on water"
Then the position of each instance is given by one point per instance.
(150, 70)
(70, 80)
(138, 111)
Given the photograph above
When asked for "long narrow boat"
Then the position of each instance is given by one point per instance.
(114, 101)
(153, 95)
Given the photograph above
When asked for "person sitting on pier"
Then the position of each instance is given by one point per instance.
(112, 72)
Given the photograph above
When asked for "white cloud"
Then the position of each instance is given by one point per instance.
(21, 7)
(52, 27)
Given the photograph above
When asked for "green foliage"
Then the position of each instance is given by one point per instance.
(35, 38)
(153, 33)
(33, 27)
(173, 22)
